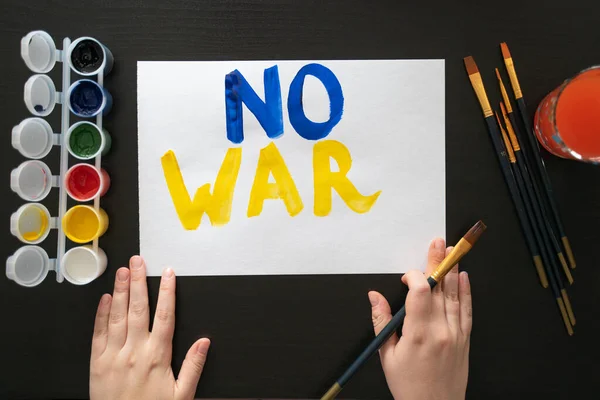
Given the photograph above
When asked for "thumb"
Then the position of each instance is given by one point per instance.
(381, 313)
(192, 369)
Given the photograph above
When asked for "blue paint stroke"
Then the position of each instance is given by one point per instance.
(306, 128)
(268, 113)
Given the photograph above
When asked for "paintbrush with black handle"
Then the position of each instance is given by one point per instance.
(463, 246)
(536, 202)
(524, 186)
(477, 83)
(507, 111)
(535, 150)
(501, 152)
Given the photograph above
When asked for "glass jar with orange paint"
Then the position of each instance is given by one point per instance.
(567, 121)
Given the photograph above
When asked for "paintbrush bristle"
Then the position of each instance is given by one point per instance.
(505, 51)
(477, 83)
(502, 108)
(510, 68)
(503, 91)
(471, 66)
(498, 119)
(475, 232)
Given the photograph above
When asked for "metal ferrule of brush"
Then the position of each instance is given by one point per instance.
(461, 248)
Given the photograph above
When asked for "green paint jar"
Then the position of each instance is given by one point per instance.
(85, 140)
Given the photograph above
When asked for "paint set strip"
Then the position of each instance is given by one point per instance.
(85, 181)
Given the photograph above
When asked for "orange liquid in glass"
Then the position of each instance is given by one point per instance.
(578, 114)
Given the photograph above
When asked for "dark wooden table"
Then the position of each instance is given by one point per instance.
(289, 337)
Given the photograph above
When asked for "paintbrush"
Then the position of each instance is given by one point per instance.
(513, 127)
(477, 83)
(521, 177)
(535, 150)
(532, 191)
(503, 155)
(463, 246)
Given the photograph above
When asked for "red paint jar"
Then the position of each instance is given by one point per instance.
(84, 182)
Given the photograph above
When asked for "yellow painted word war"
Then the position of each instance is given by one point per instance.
(217, 205)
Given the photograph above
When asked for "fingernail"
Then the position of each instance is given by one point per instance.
(464, 275)
(122, 275)
(373, 299)
(203, 346)
(136, 262)
(105, 299)
(439, 244)
(168, 273)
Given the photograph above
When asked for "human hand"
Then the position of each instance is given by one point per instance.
(431, 358)
(128, 361)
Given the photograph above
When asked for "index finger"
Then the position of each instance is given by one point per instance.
(418, 300)
(435, 255)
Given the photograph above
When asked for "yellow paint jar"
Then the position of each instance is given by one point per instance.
(83, 224)
(31, 223)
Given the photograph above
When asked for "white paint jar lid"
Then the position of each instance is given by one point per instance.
(38, 50)
(40, 95)
(32, 180)
(33, 138)
(29, 266)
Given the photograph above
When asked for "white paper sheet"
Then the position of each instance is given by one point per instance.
(392, 125)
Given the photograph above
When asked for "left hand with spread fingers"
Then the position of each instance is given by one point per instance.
(130, 362)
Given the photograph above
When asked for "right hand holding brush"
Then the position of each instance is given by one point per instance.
(431, 358)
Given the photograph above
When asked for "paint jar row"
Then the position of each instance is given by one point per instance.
(85, 97)
(29, 265)
(33, 180)
(86, 56)
(34, 139)
(32, 223)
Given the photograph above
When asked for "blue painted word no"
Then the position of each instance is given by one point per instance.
(269, 112)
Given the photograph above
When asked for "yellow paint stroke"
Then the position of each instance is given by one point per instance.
(218, 205)
(284, 188)
(325, 179)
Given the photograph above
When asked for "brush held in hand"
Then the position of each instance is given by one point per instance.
(463, 246)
